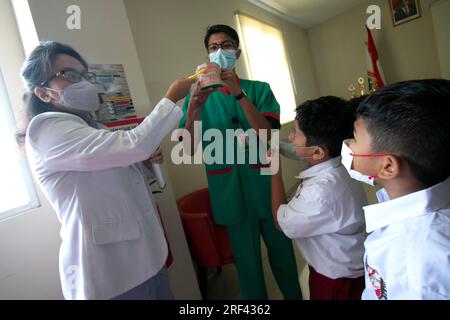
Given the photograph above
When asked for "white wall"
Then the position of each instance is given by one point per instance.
(169, 39)
(440, 13)
(407, 51)
(105, 37)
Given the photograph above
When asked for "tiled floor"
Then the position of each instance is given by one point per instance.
(226, 285)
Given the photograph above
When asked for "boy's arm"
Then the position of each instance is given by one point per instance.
(278, 195)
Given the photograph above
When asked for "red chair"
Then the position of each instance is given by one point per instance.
(209, 243)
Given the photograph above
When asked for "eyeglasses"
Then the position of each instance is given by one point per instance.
(73, 76)
(226, 45)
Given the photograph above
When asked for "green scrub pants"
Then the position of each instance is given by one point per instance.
(245, 241)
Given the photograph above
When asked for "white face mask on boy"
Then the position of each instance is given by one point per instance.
(347, 161)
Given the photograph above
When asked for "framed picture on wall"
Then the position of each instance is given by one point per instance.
(404, 10)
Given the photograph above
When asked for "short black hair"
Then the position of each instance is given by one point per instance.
(411, 120)
(355, 102)
(218, 28)
(327, 122)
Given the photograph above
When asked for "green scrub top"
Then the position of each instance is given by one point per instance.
(238, 192)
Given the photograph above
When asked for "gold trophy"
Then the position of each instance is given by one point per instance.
(372, 85)
(362, 90)
(352, 90)
(362, 86)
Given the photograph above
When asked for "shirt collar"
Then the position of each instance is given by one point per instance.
(320, 168)
(409, 206)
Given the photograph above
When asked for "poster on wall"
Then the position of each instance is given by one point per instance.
(116, 101)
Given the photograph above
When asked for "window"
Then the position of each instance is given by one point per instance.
(25, 25)
(267, 61)
(16, 187)
(17, 192)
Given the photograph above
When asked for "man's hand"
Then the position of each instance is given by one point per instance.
(196, 102)
(198, 97)
(231, 81)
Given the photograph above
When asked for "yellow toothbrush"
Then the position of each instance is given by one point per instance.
(197, 73)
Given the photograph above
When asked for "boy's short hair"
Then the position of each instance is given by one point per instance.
(327, 122)
(411, 120)
(219, 28)
(355, 102)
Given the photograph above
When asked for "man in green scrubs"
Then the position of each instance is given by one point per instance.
(240, 195)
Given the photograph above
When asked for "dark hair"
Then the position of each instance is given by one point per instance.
(411, 120)
(352, 105)
(36, 69)
(327, 122)
(355, 102)
(218, 28)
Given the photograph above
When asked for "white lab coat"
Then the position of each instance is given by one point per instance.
(408, 250)
(112, 239)
(325, 218)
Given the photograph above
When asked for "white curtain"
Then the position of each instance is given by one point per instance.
(264, 50)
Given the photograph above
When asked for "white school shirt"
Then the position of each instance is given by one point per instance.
(112, 239)
(326, 220)
(408, 249)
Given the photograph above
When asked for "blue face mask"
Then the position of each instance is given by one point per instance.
(288, 150)
(225, 59)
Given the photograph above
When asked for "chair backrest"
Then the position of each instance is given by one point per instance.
(208, 242)
(197, 201)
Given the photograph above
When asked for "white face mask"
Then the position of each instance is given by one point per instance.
(347, 160)
(82, 96)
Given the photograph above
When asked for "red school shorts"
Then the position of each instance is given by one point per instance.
(324, 288)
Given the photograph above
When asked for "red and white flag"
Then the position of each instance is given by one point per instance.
(374, 72)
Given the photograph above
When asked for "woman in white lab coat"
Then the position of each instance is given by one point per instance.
(113, 244)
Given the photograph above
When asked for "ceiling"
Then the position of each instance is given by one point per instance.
(307, 13)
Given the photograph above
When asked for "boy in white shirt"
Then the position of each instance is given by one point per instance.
(325, 215)
(402, 143)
